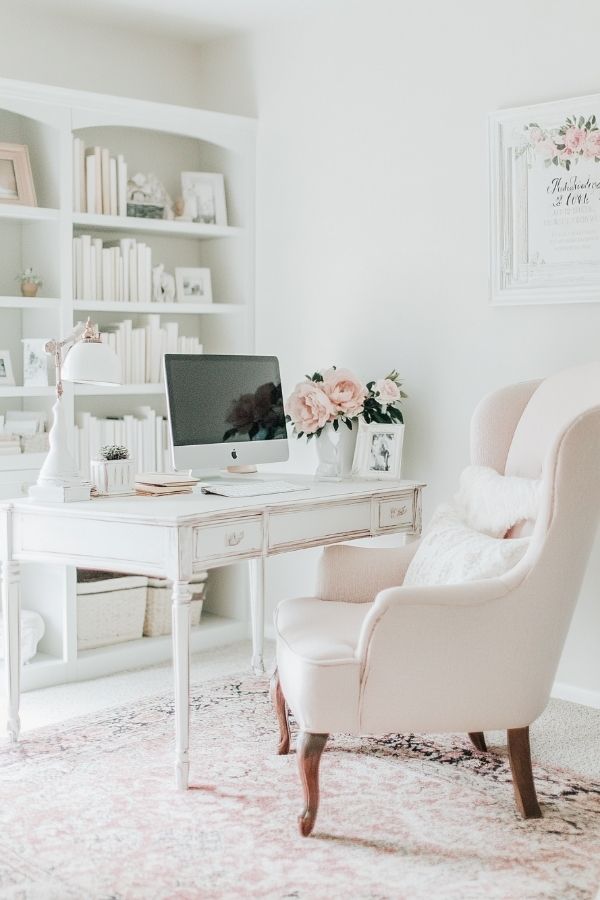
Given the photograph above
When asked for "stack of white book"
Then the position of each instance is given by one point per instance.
(23, 431)
(99, 180)
(117, 271)
(141, 349)
(144, 433)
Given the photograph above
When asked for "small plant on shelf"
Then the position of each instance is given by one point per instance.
(30, 283)
(113, 451)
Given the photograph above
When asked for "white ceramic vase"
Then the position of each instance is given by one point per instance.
(335, 452)
(113, 476)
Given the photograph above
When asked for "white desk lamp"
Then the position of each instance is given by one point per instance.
(83, 358)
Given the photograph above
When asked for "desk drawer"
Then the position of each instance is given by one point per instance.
(236, 538)
(399, 513)
(307, 527)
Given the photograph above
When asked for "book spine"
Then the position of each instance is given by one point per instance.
(82, 183)
(98, 171)
(90, 182)
(121, 186)
(113, 187)
(105, 180)
(76, 176)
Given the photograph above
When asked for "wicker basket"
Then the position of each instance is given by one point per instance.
(158, 604)
(110, 608)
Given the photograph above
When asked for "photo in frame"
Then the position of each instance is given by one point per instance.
(16, 178)
(7, 377)
(545, 203)
(204, 198)
(378, 452)
(193, 285)
(35, 362)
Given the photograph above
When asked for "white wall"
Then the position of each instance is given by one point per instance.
(372, 215)
(60, 50)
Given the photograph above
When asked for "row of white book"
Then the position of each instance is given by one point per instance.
(141, 349)
(99, 180)
(118, 271)
(23, 431)
(144, 433)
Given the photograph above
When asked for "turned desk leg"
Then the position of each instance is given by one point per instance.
(257, 612)
(11, 609)
(181, 669)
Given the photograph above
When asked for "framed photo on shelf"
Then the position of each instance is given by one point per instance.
(378, 451)
(6, 370)
(16, 178)
(204, 197)
(545, 203)
(35, 362)
(193, 285)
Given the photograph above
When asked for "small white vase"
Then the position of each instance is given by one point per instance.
(113, 476)
(335, 452)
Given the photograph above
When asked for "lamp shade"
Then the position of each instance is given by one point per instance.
(90, 362)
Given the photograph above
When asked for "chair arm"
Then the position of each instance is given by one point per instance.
(357, 574)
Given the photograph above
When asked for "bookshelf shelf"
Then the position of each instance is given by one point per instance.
(83, 221)
(23, 214)
(92, 390)
(172, 309)
(19, 302)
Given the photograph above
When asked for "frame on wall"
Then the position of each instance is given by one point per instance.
(378, 452)
(16, 178)
(545, 203)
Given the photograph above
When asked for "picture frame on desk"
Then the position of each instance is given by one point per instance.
(378, 453)
(204, 197)
(16, 177)
(193, 285)
(7, 378)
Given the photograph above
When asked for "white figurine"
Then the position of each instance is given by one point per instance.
(163, 285)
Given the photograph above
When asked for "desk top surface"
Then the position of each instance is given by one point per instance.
(182, 508)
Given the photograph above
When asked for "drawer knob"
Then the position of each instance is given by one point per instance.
(397, 511)
(233, 538)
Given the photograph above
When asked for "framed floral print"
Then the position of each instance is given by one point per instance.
(545, 203)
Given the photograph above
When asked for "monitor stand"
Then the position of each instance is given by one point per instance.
(242, 470)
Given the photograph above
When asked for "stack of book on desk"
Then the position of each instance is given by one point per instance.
(156, 484)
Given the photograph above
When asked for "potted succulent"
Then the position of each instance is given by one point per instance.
(30, 283)
(113, 472)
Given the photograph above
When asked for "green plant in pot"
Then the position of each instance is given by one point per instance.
(113, 472)
(30, 283)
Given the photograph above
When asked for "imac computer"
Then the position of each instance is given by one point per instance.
(224, 411)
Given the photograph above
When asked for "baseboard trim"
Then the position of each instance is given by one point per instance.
(575, 694)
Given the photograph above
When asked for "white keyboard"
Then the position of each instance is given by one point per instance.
(251, 489)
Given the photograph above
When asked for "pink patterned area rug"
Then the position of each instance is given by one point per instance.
(89, 810)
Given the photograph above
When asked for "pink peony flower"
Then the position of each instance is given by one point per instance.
(345, 391)
(388, 391)
(592, 144)
(309, 407)
(574, 139)
(536, 135)
(547, 148)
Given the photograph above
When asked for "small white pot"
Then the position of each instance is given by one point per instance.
(113, 476)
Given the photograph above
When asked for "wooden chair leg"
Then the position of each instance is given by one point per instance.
(309, 749)
(519, 753)
(278, 701)
(478, 741)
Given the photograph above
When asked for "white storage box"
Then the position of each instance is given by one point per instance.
(158, 604)
(110, 608)
(32, 631)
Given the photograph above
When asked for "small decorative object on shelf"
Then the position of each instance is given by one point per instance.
(16, 180)
(332, 398)
(147, 198)
(203, 198)
(35, 362)
(193, 285)
(6, 371)
(30, 283)
(113, 472)
(163, 285)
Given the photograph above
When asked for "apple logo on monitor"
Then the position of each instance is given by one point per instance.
(234, 454)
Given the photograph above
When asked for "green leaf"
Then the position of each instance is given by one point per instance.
(336, 424)
(317, 377)
(581, 121)
(348, 424)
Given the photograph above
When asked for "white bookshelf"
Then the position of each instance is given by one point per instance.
(181, 139)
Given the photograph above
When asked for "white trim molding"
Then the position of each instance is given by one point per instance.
(574, 694)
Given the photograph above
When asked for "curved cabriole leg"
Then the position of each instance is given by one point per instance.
(519, 753)
(478, 741)
(278, 701)
(309, 749)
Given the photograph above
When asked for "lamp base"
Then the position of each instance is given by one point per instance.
(56, 493)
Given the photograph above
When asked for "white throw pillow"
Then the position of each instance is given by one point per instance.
(494, 503)
(451, 553)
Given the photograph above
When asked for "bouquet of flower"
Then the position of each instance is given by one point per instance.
(336, 396)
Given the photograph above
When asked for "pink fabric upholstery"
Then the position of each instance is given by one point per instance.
(357, 574)
(494, 422)
(467, 657)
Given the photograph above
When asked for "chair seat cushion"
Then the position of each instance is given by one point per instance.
(316, 659)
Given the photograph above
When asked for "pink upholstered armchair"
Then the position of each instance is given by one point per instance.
(366, 655)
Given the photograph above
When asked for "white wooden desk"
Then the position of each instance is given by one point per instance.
(176, 536)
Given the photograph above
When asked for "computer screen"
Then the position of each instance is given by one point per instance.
(219, 405)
